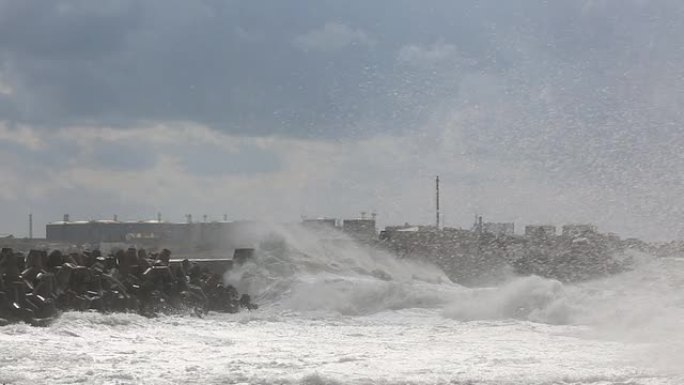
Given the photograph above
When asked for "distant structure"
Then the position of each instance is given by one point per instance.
(540, 231)
(320, 223)
(488, 252)
(362, 229)
(498, 229)
(578, 230)
(478, 226)
(437, 202)
(406, 228)
(155, 233)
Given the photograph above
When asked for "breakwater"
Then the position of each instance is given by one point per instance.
(475, 258)
(35, 288)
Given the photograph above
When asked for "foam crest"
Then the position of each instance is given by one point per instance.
(650, 296)
(312, 271)
(530, 298)
(95, 319)
(643, 306)
(362, 295)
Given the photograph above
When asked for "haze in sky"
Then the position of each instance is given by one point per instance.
(530, 111)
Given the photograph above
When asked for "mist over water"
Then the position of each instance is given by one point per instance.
(644, 306)
(325, 274)
(301, 269)
(313, 270)
(333, 311)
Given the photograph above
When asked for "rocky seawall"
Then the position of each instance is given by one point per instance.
(35, 288)
(479, 259)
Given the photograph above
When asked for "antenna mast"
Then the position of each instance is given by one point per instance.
(437, 202)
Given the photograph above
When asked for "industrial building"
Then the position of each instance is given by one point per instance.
(507, 228)
(196, 236)
(576, 230)
(540, 231)
(362, 229)
(190, 236)
(319, 223)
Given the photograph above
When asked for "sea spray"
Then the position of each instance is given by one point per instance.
(644, 306)
(527, 298)
(311, 270)
(407, 346)
(321, 274)
(652, 292)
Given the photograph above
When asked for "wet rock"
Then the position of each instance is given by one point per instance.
(38, 288)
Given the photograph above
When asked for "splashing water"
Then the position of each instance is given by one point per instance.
(643, 306)
(336, 312)
(325, 270)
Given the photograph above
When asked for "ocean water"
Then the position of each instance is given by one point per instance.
(345, 315)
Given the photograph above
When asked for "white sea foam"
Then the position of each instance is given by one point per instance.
(325, 270)
(644, 306)
(527, 298)
(344, 314)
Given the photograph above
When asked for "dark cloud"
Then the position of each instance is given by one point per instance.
(239, 66)
(230, 66)
(578, 92)
(66, 30)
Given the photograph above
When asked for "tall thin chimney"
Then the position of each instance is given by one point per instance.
(437, 201)
(30, 226)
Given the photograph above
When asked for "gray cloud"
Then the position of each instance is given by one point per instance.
(331, 38)
(234, 65)
(207, 160)
(576, 94)
(119, 156)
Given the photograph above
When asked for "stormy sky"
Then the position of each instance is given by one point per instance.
(564, 111)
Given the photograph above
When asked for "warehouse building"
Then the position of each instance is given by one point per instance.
(155, 233)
